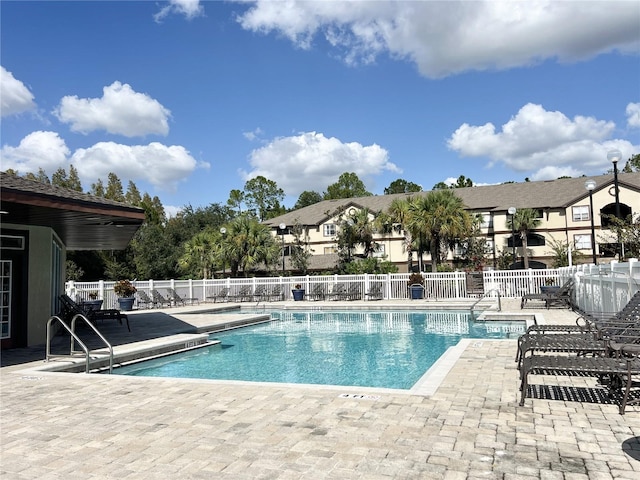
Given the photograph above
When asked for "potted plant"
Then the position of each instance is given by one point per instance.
(125, 290)
(549, 286)
(297, 292)
(93, 303)
(416, 286)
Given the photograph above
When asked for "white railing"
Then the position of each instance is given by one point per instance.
(602, 288)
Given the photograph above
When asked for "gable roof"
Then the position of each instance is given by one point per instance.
(82, 221)
(549, 194)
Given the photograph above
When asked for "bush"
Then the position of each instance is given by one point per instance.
(415, 279)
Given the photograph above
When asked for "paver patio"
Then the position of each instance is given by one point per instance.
(78, 426)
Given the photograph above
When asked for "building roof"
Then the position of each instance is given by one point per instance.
(82, 221)
(551, 194)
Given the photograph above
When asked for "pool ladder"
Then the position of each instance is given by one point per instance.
(484, 295)
(75, 339)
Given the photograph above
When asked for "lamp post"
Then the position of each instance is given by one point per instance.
(614, 156)
(512, 212)
(282, 226)
(590, 185)
(223, 232)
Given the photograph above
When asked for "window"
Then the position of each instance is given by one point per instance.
(486, 220)
(329, 229)
(582, 242)
(379, 250)
(329, 250)
(5, 298)
(580, 213)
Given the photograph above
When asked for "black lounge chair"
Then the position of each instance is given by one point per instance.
(242, 295)
(560, 297)
(70, 309)
(222, 295)
(276, 294)
(144, 299)
(353, 292)
(317, 292)
(338, 292)
(159, 299)
(375, 292)
(619, 369)
(260, 293)
(177, 299)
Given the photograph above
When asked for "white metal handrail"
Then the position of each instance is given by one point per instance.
(95, 329)
(484, 295)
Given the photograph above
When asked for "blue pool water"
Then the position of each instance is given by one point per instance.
(372, 349)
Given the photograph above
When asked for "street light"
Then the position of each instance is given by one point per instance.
(282, 227)
(223, 232)
(512, 212)
(590, 185)
(614, 156)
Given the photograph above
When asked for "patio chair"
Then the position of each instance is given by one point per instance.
(260, 293)
(375, 292)
(177, 299)
(338, 292)
(159, 299)
(619, 369)
(144, 299)
(276, 294)
(317, 292)
(561, 297)
(242, 295)
(70, 309)
(222, 295)
(353, 292)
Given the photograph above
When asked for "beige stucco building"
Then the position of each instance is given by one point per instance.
(563, 207)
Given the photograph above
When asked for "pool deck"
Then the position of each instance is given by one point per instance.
(464, 424)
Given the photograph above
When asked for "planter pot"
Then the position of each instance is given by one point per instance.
(549, 288)
(298, 294)
(126, 304)
(91, 305)
(416, 292)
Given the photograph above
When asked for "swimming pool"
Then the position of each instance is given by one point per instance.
(368, 349)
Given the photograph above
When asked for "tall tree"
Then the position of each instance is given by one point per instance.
(132, 197)
(525, 220)
(248, 243)
(198, 254)
(402, 186)
(114, 189)
(347, 186)
(307, 198)
(71, 182)
(97, 189)
(263, 196)
(236, 197)
(399, 213)
(439, 218)
(41, 176)
(633, 164)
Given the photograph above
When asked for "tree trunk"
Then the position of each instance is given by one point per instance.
(525, 256)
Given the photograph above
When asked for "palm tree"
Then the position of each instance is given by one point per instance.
(524, 220)
(399, 213)
(197, 256)
(438, 219)
(248, 243)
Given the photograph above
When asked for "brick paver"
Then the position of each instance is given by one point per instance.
(77, 426)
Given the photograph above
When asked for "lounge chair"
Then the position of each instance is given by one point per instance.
(177, 299)
(242, 295)
(620, 370)
(353, 292)
(375, 292)
(276, 294)
(317, 292)
(159, 299)
(338, 292)
(260, 293)
(222, 295)
(561, 297)
(144, 299)
(70, 309)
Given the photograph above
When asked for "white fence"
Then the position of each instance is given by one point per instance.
(602, 288)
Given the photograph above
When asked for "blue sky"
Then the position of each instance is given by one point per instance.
(190, 99)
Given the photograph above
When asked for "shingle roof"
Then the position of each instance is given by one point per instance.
(551, 194)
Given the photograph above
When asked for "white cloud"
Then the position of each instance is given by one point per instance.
(633, 115)
(15, 96)
(44, 150)
(254, 135)
(445, 38)
(121, 111)
(547, 143)
(161, 165)
(311, 161)
(189, 8)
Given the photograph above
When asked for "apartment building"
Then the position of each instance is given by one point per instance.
(563, 207)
